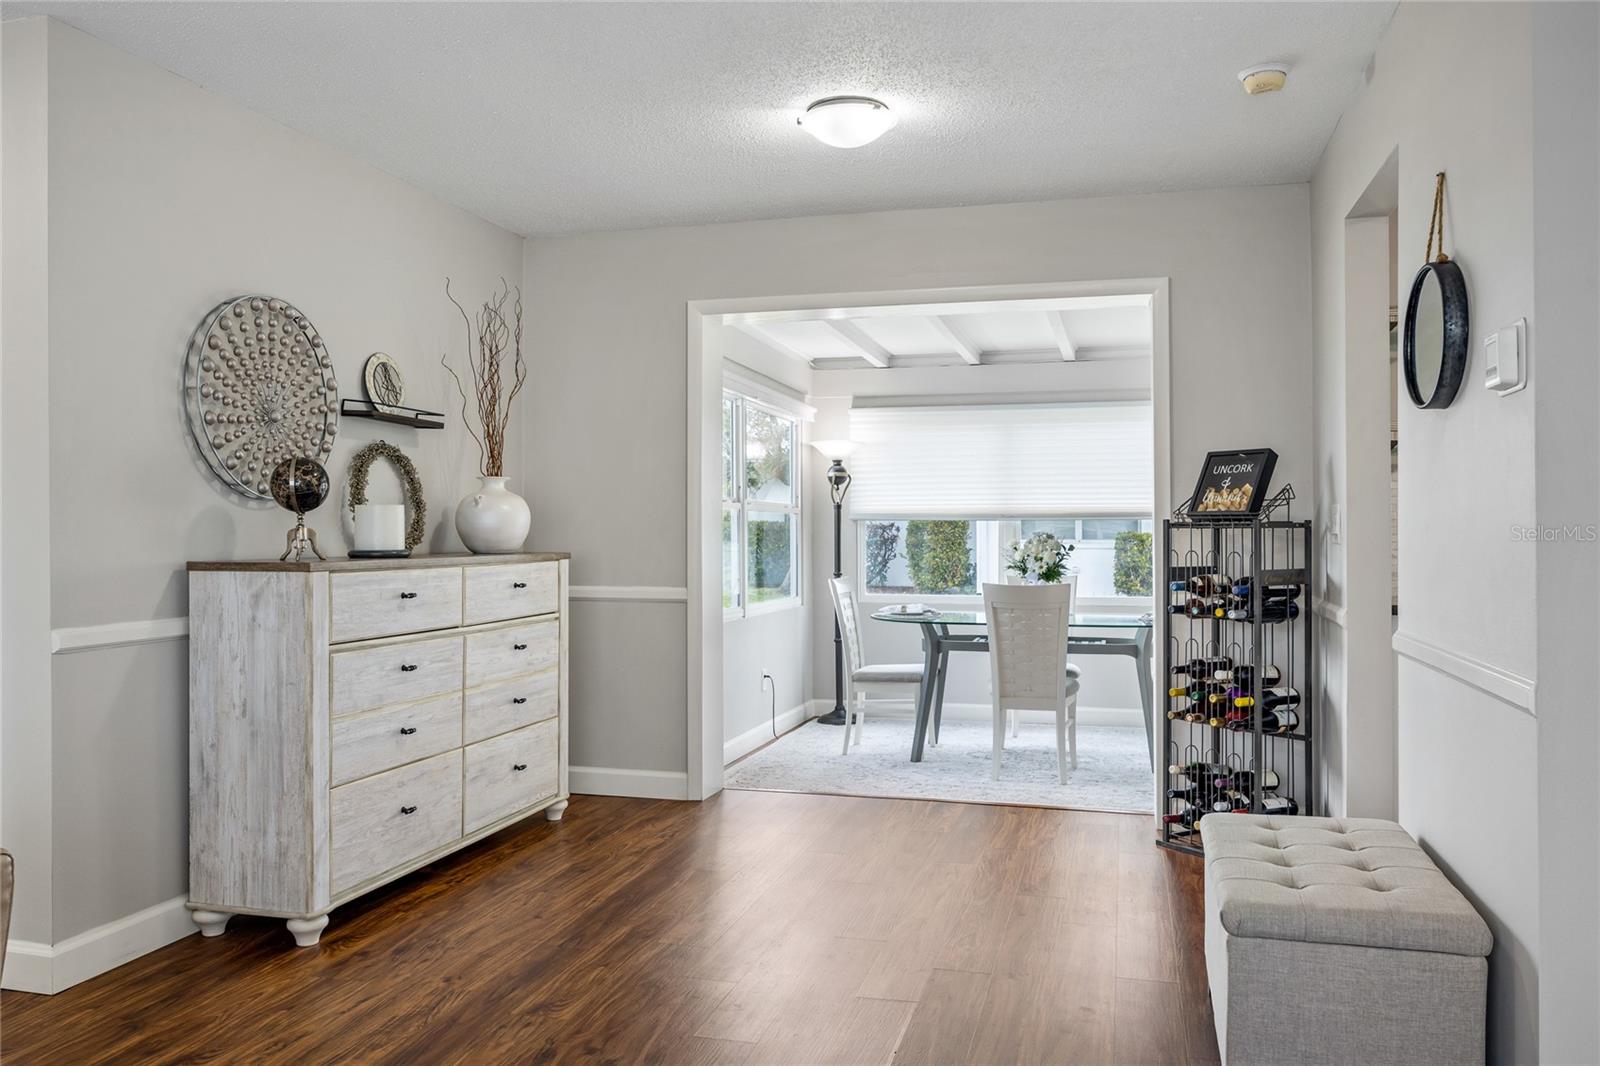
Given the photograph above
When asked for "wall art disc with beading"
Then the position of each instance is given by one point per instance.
(258, 389)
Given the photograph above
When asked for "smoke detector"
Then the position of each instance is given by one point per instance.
(1266, 78)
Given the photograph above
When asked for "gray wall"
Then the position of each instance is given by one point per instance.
(163, 200)
(608, 312)
(1454, 90)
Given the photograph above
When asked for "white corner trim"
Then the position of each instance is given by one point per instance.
(629, 593)
(638, 784)
(1329, 613)
(751, 739)
(1502, 684)
(117, 634)
(48, 969)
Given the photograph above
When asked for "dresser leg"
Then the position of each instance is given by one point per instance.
(307, 931)
(554, 812)
(211, 923)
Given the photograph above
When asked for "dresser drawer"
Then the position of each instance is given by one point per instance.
(511, 772)
(386, 603)
(503, 706)
(367, 743)
(383, 821)
(516, 590)
(394, 673)
(509, 651)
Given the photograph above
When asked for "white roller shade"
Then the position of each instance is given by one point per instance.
(1001, 461)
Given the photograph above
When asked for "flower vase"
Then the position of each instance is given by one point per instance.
(494, 520)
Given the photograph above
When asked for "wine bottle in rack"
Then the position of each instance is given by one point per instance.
(1230, 802)
(1275, 804)
(1197, 771)
(1271, 698)
(1210, 584)
(1243, 674)
(1283, 720)
(1241, 780)
(1274, 611)
(1204, 669)
(1189, 817)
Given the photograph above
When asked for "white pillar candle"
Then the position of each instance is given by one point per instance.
(380, 527)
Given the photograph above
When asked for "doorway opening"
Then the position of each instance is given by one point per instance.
(931, 385)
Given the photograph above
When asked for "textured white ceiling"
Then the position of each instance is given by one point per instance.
(563, 117)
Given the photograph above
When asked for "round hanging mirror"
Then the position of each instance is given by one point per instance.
(1434, 349)
(1435, 353)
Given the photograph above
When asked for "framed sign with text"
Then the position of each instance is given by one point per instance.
(1233, 484)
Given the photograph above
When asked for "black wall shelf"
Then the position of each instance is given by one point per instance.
(400, 416)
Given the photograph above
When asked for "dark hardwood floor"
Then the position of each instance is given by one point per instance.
(755, 928)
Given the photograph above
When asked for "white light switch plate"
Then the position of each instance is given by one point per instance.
(1505, 359)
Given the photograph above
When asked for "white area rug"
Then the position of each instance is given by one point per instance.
(1113, 771)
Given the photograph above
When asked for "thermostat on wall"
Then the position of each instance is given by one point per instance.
(1504, 355)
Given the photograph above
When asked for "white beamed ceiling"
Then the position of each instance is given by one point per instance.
(1079, 328)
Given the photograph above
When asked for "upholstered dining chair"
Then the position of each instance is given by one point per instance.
(1028, 662)
(861, 680)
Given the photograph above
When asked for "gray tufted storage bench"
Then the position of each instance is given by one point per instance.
(1337, 940)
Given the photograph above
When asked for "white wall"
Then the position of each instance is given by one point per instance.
(1566, 197)
(163, 200)
(24, 423)
(1453, 90)
(608, 312)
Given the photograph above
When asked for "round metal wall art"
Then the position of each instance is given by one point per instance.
(259, 389)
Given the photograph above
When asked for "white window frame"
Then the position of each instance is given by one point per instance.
(742, 507)
(989, 541)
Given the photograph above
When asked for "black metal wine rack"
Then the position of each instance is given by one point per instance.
(1271, 549)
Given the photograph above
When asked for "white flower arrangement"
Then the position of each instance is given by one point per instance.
(1041, 559)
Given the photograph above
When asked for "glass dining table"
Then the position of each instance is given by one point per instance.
(1088, 634)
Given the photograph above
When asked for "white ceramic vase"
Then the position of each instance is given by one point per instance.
(494, 520)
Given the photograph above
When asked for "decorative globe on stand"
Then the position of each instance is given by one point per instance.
(300, 484)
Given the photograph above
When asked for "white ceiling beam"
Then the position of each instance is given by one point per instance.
(1058, 329)
(858, 341)
(761, 336)
(959, 344)
(949, 308)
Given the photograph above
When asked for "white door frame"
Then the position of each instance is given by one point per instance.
(704, 431)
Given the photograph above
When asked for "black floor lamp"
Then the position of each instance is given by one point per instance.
(836, 451)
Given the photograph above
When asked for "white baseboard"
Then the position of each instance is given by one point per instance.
(751, 739)
(48, 969)
(983, 712)
(637, 784)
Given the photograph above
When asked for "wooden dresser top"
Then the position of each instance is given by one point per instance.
(306, 566)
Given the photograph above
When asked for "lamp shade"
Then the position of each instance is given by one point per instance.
(834, 449)
(847, 121)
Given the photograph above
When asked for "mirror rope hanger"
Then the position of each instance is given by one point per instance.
(1436, 223)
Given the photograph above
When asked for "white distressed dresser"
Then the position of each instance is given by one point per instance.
(353, 720)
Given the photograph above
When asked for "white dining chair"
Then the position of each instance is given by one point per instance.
(861, 680)
(1028, 662)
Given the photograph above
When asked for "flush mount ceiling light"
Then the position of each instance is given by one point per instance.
(847, 121)
(1266, 78)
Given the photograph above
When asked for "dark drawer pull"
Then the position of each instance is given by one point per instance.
(519, 584)
(519, 766)
(519, 699)
(408, 810)
(406, 668)
(519, 647)
(407, 730)
(408, 595)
